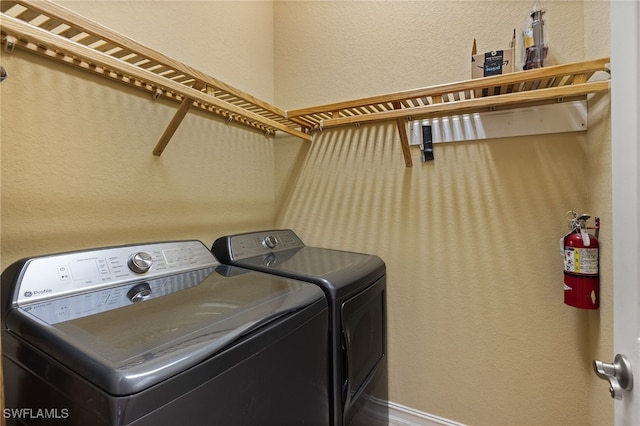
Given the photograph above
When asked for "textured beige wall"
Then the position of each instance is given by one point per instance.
(77, 168)
(327, 51)
(230, 40)
(478, 332)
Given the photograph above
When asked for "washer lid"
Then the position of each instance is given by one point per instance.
(124, 347)
(282, 252)
(338, 272)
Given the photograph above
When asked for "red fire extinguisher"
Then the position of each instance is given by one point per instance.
(581, 276)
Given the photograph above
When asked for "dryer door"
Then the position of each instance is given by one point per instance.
(364, 340)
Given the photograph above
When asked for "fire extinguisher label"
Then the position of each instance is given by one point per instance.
(581, 260)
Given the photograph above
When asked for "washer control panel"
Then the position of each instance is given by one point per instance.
(79, 305)
(82, 271)
(260, 243)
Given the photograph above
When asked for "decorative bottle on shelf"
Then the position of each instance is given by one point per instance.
(535, 45)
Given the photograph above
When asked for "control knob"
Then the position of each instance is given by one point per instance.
(270, 241)
(139, 292)
(140, 262)
(270, 260)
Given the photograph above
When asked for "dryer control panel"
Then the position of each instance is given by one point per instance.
(253, 244)
(63, 274)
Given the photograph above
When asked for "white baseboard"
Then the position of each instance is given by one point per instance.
(399, 415)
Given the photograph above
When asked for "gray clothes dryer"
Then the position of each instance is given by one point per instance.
(160, 334)
(355, 287)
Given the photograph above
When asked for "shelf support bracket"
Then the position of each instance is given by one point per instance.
(175, 122)
(10, 44)
(404, 138)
